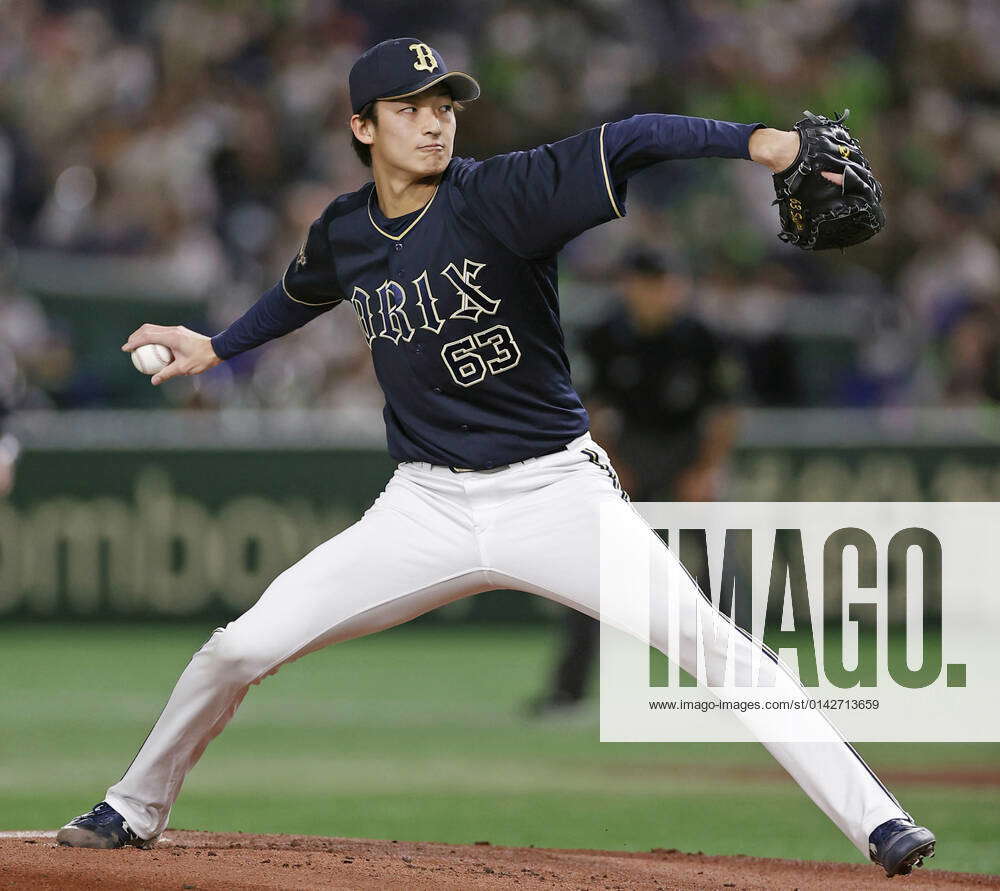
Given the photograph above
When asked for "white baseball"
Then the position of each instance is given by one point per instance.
(151, 358)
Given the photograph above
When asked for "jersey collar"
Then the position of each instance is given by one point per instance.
(419, 217)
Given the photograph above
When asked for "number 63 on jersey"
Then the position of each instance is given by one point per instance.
(469, 359)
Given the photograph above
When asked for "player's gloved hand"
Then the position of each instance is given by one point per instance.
(816, 210)
(192, 351)
(778, 149)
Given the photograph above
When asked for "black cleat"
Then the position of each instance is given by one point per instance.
(899, 845)
(103, 827)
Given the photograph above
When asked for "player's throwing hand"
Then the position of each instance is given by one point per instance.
(192, 351)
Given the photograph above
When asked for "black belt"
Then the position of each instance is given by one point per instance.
(454, 469)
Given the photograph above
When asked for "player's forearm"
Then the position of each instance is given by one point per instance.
(637, 142)
(273, 316)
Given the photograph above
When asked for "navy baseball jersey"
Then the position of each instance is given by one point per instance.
(458, 301)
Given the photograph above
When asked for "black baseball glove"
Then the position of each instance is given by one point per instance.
(815, 213)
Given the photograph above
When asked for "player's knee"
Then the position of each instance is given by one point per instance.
(231, 655)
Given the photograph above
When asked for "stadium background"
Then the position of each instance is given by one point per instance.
(161, 161)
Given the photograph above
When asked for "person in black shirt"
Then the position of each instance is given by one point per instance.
(661, 397)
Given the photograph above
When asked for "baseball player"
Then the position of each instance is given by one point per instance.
(449, 265)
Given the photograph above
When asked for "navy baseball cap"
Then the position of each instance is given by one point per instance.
(403, 66)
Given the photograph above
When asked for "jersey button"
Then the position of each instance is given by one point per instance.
(489, 465)
(437, 389)
(464, 428)
(399, 245)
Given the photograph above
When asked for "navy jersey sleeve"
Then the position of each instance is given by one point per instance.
(638, 142)
(311, 278)
(308, 289)
(273, 316)
(535, 201)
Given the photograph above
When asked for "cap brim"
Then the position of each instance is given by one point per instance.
(464, 87)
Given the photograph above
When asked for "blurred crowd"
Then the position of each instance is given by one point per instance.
(206, 136)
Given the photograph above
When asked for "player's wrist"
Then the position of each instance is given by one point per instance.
(775, 149)
(209, 354)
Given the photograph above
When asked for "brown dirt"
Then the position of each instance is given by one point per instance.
(209, 860)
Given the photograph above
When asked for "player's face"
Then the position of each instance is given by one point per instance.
(415, 135)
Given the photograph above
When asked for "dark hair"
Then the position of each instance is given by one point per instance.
(361, 149)
(370, 113)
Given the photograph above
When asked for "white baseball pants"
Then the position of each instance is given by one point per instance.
(435, 535)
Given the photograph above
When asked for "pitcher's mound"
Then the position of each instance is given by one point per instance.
(204, 860)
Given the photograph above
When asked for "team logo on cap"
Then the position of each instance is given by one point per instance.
(425, 57)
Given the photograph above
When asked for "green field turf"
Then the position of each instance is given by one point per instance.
(416, 734)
